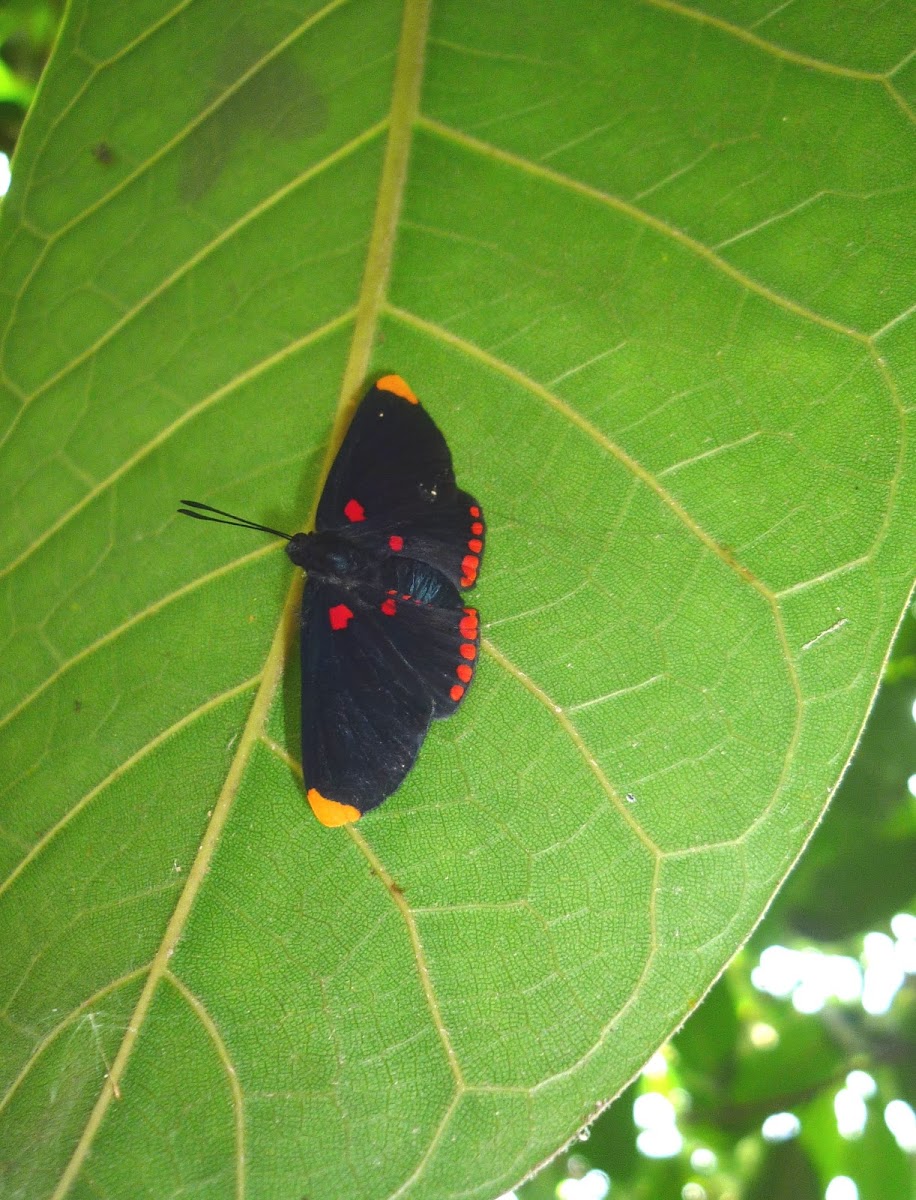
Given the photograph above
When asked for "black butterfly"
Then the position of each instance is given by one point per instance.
(387, 643)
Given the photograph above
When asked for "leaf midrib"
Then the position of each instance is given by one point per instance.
(404, 109)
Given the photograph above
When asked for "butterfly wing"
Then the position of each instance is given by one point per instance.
(435, 634)
(378, 664)
(392, 487)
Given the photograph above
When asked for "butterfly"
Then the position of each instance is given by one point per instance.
(386, 641)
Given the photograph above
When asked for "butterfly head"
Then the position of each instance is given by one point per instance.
(326, 556)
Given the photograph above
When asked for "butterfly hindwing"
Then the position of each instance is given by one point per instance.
(379, 662)
(436, 635)
(392, 487)
(449, 537)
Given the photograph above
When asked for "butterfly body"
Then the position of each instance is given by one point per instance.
(387, 642)
(332, 557)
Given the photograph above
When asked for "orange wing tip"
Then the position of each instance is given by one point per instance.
(330, 812)
(394, 383)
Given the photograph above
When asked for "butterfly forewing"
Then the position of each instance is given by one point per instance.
(392, 487)
(363, 717)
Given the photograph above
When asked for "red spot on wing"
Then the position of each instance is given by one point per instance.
(354, 511)
(339, 616)
(389, 608)
(396, 543)
(469, 566)
(468, 624)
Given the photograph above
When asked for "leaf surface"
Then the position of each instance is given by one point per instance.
(646, 267)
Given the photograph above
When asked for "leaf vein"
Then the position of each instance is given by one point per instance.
(121, 769)
(86, 1006)
(138, 618)
(200, 1010)
(405, 99)
(51, 239)
(566, 410)
(488, 150)
(768, 47)
(173, 427)
(190, 263)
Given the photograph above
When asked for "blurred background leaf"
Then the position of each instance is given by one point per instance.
(27, 30)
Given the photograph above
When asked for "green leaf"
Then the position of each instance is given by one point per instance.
(872, 1159)
(804, 1060)
(860, 869)
(13, 90)
(645, 267)
(786, 1173)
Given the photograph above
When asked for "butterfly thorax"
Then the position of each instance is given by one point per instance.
(330, 557)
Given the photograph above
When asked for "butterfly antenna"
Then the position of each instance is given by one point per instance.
(198, 511)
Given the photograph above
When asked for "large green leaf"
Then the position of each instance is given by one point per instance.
(647, 269)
